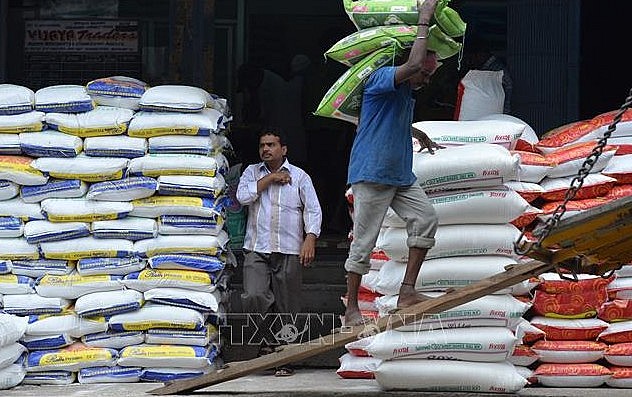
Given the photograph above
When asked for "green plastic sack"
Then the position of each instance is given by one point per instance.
(343, 99)
(354, 47)
(441, 43)
(449, 20)
(368, 13)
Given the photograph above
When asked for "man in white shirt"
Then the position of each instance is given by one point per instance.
(284, 221)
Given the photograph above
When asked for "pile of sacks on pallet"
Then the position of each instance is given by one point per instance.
(494, 180)
(113, 253)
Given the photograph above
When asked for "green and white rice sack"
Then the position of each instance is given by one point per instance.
(354, 47)
(344, 97)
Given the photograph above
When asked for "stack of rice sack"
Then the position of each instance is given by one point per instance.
(586, 324)
(474, 241)
(112, 226)
(12, 353)
(386, 28)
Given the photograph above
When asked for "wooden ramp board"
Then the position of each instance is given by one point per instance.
(293, 353)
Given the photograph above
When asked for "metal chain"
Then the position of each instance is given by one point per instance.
(576, 183)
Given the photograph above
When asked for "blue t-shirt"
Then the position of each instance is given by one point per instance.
(382, 149)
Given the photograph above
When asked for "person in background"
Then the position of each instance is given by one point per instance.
(478, 56)
(380, 168)
(284, 221)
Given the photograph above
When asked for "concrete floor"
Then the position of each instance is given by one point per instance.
(306, 382)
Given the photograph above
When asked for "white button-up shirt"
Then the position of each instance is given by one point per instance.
(281, 215)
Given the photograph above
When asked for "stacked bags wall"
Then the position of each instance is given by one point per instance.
(112, 240)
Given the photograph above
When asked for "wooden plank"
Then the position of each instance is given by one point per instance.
(293, 353)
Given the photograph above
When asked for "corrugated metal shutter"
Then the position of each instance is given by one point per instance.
(543, 45)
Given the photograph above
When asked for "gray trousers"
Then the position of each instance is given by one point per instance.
(370, 203)
(272, 283)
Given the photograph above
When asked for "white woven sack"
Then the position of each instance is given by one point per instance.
(57, 378)
(17, 248)
(10, 353)
(15, 99)
(620, 287)
(454, 240)
(50, 143)
(357, 367)
(27, 304)
(12, 328)
(466, 166)
(130, 228)
(113, 374)
(74, 285)
(571, 167)
(67, 98)
(89, 169)
(8, 190)
(126, 189)
(480, 94)
(87, 247)
(182, 245)
(20, 170)
(459, 133)
(11, 376)
(175, 98)
(10, 144)
(148, 279)
(172, 164)
(153, 124)
(62, 188)
(71, 324)
(456, 376)
(619, 165)
(439, 274)
(488, 205)
(574, 381)
(115, 146)
(181, 144)
(570, 356)
(82, 210)
(108, 302)
(45, 231)
(10, 284)
(40, 267)
(153, 315)
(114, 340)
(208, 300)
(528, 190)
(592, 180)
(501, 310)
(11, 227)
(20, 209)
(169, 356)
(528, 135)
(624, 271)
(186, 185)
(24, 122)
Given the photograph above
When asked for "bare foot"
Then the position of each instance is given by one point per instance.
(405, 300)
(353, 318)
